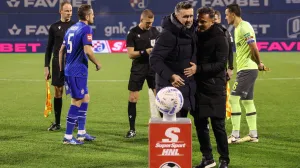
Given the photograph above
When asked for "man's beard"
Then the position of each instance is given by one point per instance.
(188, 25)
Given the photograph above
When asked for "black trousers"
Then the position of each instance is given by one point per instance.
(218, 126)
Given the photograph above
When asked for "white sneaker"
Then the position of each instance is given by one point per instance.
(232, 139)
(248, 138)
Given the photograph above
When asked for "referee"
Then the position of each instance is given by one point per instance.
(140, 41)
(56, 34)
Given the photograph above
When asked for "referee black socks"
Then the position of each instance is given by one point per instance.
(57, 109)
(131, 115)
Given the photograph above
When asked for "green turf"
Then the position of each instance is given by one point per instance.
(24, 141)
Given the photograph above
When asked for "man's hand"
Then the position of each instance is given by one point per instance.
(98, 67)
(46, 73)
(229, 73)
(262, 67)
(191, 70)
(177, 81)
(149, 50)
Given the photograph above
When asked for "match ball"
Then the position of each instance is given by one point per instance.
(169, 100)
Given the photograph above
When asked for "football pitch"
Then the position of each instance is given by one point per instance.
(25, 141)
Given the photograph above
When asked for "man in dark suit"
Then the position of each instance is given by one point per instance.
(212, 52)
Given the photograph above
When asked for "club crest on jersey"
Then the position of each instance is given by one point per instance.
(89, 37)
(82, 91)
(138, 5)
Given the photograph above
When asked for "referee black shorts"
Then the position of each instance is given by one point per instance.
(138, 75)
(57, 80)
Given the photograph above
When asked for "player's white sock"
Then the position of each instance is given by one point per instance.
(253, 133)
(81, 132)
(153, 109)
(235, 133)
(67, 136)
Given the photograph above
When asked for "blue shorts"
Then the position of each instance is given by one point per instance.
(76, 86)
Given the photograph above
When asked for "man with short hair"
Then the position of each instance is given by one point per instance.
(78, 46)
(248, 63)
(56, 34)
(175, 50)
(140, 41)
(212, 53)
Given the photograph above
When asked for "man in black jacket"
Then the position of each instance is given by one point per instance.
(212, 52)
(174, 51)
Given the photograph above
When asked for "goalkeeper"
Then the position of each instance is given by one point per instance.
(248, 63)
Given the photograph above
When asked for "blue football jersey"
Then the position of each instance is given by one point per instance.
(76, 37)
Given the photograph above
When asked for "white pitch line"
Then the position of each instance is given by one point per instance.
(39, 80)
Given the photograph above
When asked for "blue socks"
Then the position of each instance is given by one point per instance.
(82, 116)
(71, 119)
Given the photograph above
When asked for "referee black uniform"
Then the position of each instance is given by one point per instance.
(140, 69)
(56, 35)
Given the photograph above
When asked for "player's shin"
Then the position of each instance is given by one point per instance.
(71, 120)
(250, 116)
(82, 117)
(235, 115)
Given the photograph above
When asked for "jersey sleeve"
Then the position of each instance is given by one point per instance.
(65, 39)
(130, 39)
(49, 48)
(248, 33)
(87, 37)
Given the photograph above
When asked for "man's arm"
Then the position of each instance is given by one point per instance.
(222, 49)
(256, 57)
(164, 45)
(60, 56)
(135, 54)
(255, 53)
(230, 56)
(249, 35)
(87, 46)
(49, 48)
(130, 47)
(48, 53)
(88, 50)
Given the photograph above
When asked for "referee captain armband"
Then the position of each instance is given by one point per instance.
(144, 53)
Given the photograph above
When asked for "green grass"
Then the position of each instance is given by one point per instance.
(24, 141)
